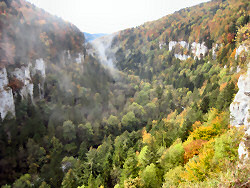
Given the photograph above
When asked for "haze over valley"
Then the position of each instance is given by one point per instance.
(124, 94)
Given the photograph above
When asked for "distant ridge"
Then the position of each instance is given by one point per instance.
(89, 37)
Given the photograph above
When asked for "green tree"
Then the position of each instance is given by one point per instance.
(69, 180)
(129, 120)
(113, 121)
(69, 131)
(23, 182)
(145, 157)
(174, 156)
(150, 177)
(130, 168)
(44, 185)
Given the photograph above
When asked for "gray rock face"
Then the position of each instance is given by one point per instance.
(242, 48)
(24, 74)
(240, 110)
(6, 95)
(196, 49)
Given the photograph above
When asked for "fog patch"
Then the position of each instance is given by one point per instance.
(102, 49)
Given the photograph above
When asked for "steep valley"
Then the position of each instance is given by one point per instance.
(164, 104)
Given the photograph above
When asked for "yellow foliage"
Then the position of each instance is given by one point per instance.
(198, 168)
(196, 125)
(222, 86)
(154, 123)
(131, 100)
(147, 137)
(165, 121)
(172, 115)
(204, 133)
(155, 100)
(181, 117)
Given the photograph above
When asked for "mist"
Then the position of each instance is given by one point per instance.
(103, 51)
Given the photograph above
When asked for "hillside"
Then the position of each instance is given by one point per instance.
(165, 104)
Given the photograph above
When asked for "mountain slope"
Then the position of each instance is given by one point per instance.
(144, 107)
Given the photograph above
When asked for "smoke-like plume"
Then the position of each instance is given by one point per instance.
(103, 50)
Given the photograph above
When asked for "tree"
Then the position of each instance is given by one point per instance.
(44, 185)
(69, 131)
(145, 157)
(113, 121)
(130, 168)
(173, 156)
(226, 96)
(24, 181)
(69, 180)
(52, 171)
(173, 177)
(142, 97)
(129, 120)
(85, 132)
(150, 177)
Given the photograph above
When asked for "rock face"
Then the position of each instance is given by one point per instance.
(24, 75)
(40, 67)
(181, 57)
(240, 111)
(6, 95)
(80, 58)
(239, 50)
(196, 49)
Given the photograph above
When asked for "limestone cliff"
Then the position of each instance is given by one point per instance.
(196, 49)
(240, 112)
(22, 75)
(6, 95)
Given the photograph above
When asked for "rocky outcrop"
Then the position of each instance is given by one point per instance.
(23, 75)
(80, 58)
(240, 111)
(181, 57)
(39, 67)
(21, 79)
(6, 95)
(68, 57)
(196, 49)
(242, 48)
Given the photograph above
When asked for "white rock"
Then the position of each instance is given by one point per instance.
(161, 44)
(198, 49)
(23, 74)
(242, 150)
(80, 58)
(181, 57)
(241, 104)
(214, 50)
(239, 50)
(239, 110)
(6, 95)
(69, 55)
(238, 69)
(40, 67)
(171, 45)
(184, 44)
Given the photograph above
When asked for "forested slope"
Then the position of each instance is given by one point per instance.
(158, 117)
